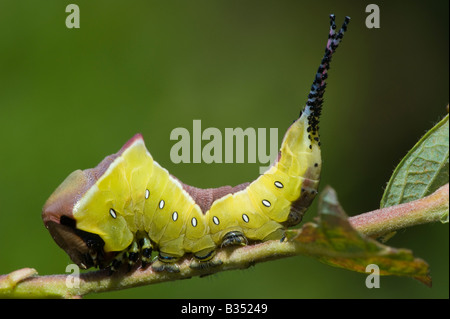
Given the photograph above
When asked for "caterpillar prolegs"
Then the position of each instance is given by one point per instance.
(128, 206)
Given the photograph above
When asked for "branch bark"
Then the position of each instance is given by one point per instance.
(24, 283)
(384, 221)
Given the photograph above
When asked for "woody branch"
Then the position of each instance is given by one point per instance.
(25, 283)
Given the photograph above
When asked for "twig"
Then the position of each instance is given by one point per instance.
(24, 283)
(383, 221)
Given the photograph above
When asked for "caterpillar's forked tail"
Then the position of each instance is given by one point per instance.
(313, 106)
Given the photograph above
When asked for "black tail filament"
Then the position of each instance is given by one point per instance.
(313, 106)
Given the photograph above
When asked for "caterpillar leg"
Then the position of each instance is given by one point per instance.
(132, 254)
(234, 238)
(165, 262)
(140, 247)
(146, 250)
(129, 256)
(205, 259)
(117, 262)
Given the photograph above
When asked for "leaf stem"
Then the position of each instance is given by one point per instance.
(379, 222)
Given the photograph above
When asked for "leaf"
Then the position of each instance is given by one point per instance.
(423, 170)
(335, 242)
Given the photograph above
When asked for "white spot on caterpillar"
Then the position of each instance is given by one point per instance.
(216, 220)
(147, 194)
(174, 216)
(112, 212)
(194, 221)
(245, 218)
(161, 204)
(266, 203)
(279, 184)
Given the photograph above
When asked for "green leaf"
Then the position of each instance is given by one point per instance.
(423, 170)
(333, 240)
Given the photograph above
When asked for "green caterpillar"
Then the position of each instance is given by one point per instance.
(128, 206)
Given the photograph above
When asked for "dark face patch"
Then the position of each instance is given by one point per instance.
(85, 249)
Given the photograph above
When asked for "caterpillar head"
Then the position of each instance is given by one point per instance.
(84, 248)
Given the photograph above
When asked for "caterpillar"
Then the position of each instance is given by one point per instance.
(129, 206)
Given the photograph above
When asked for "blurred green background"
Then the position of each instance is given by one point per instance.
(69, 97)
